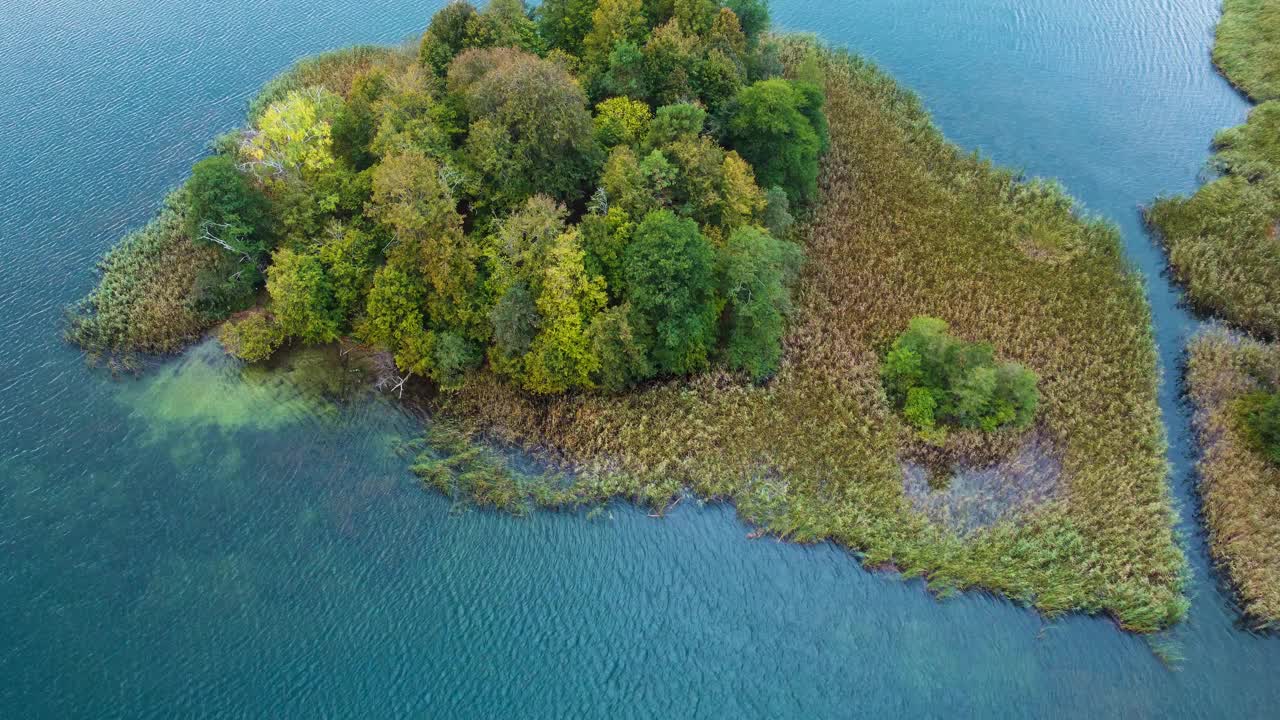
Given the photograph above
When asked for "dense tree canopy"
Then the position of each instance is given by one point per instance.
(586, 197)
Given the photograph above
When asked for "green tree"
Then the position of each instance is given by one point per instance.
(965, 385)
(348, 255)
(772, 125)
(253, 338)
(225, 209)
(624, 73)
(753, 15)
(301, 297)
(537, 117)
(669, 272)
(446, 36)
(561, 357)
(293, 139)
(622, 121)
(623, 359)
(356, 124)
(756, 271)
(613, 22)
(418, 211)
(565, 23)
(671, 60)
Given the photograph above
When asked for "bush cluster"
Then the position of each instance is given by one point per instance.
(938, 380)
(1260, 413)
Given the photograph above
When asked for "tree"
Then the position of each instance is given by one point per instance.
(756, 270)
(411, 118)
(938, 379)
(623, 359)
(744, 201)
(293, 139)
(560, 357)
(504, 23)
(622, 121)
(416, 207)
(679, 121)
(669, 271)
(301, 297)
(753, 15)
(671, 60)
(446, 36)
(537, 114)
(772, 126)
(613, 22)
(356, 124)
(348, 255)
(252, 338)
(223, 208)
(624, 74)
(565, 23)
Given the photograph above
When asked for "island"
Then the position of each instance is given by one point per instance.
(1224, 246)
(674, 254)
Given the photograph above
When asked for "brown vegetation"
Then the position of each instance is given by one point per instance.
(1240, 487)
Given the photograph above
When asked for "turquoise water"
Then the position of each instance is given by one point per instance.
(201, 544)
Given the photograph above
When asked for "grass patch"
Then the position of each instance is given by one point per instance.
(1247, 47)
(908, 225)
(1239, 485)
(1222, 241)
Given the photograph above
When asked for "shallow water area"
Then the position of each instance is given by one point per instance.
(202, 542)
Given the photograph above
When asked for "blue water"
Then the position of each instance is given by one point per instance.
(201, 544)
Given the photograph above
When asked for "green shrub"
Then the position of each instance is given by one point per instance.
(1260, 413)
(935, 378)
(253, 337)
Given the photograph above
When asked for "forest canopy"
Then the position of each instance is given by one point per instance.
(583, 196)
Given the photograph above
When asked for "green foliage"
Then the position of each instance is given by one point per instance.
(302, 297)
(756, 271)
(531, 132)
(777, 212)
(669, 272)
(753, 16)
(446, 36)
(622, 121)
(936, 378)
(224, 209)
(773, 124)
(460, 203)
(253, 338)
(564, 24)
(1260, 415)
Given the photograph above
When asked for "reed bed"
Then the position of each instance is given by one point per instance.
(1240, 487)
(144, 302)
(908, 225)
(1247, 47)
(1222, 241)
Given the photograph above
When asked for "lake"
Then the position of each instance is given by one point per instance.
(200, 543)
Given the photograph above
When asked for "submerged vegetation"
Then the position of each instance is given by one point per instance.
(538, 212)
(1233, 381)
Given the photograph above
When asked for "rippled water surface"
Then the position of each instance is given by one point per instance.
(201, 543)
